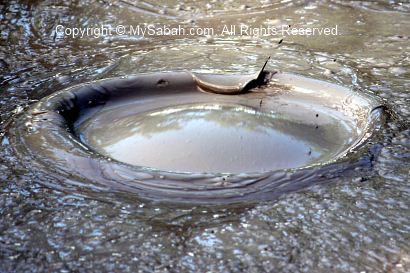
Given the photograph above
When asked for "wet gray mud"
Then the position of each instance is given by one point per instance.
(354, 221)
(118, 135)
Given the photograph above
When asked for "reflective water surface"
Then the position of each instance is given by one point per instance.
(359, 223)
(215, 138)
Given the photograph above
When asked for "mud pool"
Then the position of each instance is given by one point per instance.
(358, 222)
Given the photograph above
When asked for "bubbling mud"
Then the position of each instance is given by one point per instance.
(165, 137)
(219, 138)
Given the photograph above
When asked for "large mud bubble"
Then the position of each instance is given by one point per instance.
(164, 137)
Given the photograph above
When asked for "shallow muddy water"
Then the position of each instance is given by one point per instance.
(358, 222)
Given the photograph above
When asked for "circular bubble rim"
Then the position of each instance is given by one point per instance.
(44, 139)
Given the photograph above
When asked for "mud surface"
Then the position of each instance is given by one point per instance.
(211, 138)
(359, 222)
